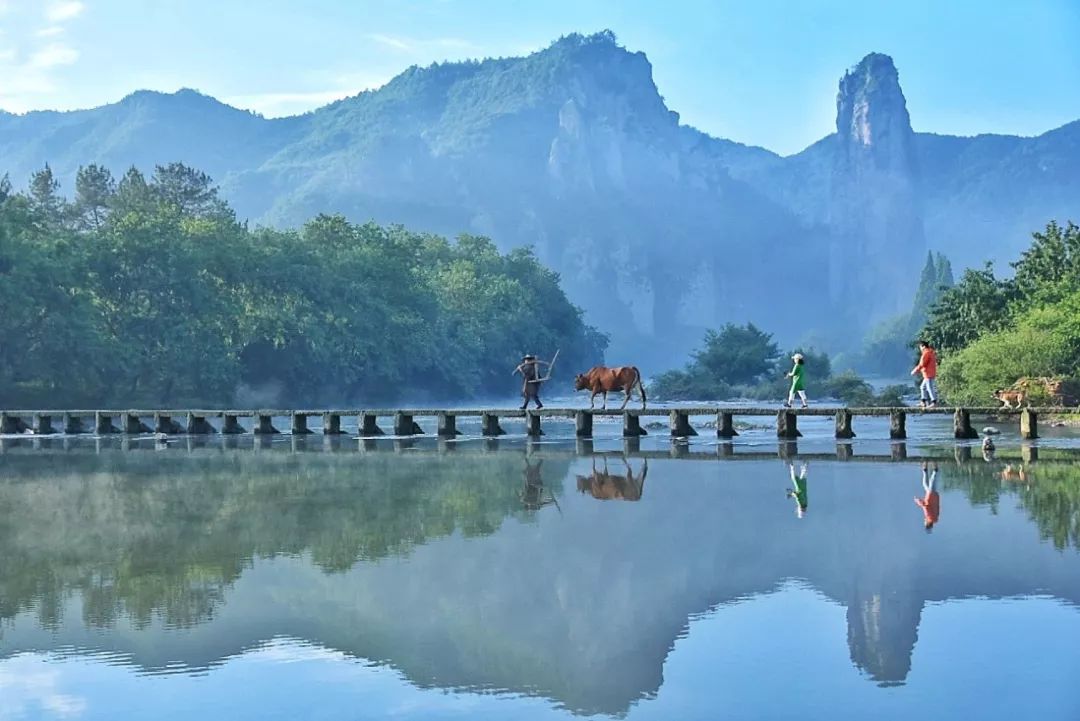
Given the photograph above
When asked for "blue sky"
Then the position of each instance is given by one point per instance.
(757, 71)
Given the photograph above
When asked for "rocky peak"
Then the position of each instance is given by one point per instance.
(871, 112)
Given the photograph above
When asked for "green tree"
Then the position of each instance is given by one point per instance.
(979, 303)
(46, 202)
(736, 354)
(94, 191)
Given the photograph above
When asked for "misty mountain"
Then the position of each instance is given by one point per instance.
(658, 230)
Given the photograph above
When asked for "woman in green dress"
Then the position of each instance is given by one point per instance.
(798, 382)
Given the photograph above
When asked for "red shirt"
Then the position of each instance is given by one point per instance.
(931, 506)
(928, 363)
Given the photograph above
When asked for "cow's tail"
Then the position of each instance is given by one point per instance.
(641, 386)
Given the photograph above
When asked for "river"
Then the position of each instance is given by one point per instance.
(338, 579)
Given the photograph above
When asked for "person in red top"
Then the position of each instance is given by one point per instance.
(928, 367)
(930, 503)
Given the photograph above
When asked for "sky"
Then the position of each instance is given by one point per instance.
(762, 72)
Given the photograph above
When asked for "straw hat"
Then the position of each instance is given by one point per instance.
(797, 357)
(529, 357)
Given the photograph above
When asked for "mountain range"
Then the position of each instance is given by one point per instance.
(658, 230)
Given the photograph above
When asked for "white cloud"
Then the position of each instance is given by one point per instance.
(29, 692)
(50, 32)
(58, 12)
(53, 55)
(7, 55)
(414, 45)
(392, 41)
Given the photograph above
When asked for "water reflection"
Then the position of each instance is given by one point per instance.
(458, 571)
(930, 503)
(799, 491)
(605, 486)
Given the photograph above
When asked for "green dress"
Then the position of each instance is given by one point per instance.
(797, 383)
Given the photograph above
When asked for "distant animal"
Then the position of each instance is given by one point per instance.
(601, 379)
(990, 431)
(988, 445)
(1009, 396)
(605, 486)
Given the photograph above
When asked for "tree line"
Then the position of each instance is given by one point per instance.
(992, 331)
(148, 290)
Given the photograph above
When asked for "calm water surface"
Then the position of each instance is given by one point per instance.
(534, 582)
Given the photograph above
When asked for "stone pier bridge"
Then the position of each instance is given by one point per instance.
(402, 422)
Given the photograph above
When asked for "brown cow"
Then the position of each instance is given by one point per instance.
(601, 379)
(605, 486)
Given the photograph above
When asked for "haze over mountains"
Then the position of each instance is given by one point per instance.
(658, 230)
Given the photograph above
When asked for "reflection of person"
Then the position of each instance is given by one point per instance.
(532, 495)
(529, 368)
(799, 492)
(930, 503)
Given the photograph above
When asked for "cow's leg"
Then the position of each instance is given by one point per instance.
(605, 401)
(626, 398)
(592, 400)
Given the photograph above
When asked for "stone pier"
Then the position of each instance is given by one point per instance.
(725, 425)
(73, 424)
(583, 424)
(133, 425)
(230, 425)
(680, 425)
(632, 426)
(264, 425)
(1029, 424)
(898, 425)
(198, 425)
(404, 425)
(489, 425)
(787, 424)
(103, 424)
(299, 424)
(331, 424)
(844, 427)
(447, 426)
(163, 423)
(369, 426)
(532, 425)
(43, 424)
(962, 429)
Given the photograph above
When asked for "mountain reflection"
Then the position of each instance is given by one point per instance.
(456, 569)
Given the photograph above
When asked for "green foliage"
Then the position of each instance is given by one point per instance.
(150, 292)
(714, 373)
(733, 355)
(978, 304)
(1043, 341)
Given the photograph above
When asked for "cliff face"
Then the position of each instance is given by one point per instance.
(874, 212)
(658, 230)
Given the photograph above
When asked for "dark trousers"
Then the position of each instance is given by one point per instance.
(531, 391)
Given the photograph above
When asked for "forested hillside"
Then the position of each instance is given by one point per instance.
(148, 291)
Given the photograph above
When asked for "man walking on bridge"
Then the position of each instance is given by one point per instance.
(529, 368)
